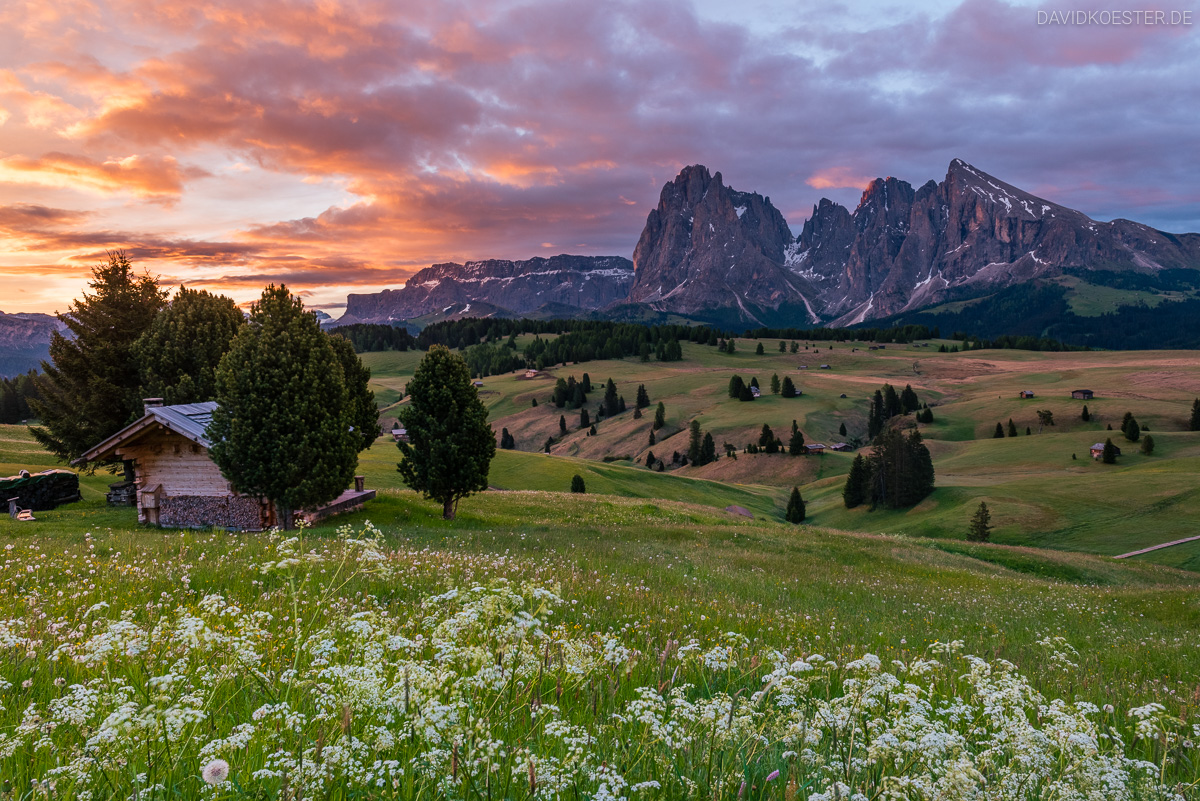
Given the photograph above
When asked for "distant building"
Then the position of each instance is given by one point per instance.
(755, 392)
(804, 367)
(1081, 394)
(1026, 393)
(478, 383)
(816, 448)
(179, 485)
(1098, 450)
(400, 434)
(825, 367)
(531, 373)
(841, 446)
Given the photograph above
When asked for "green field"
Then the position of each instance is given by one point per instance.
(143, 656)
(1038, 493)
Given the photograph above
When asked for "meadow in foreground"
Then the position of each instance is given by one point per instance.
(208, 665)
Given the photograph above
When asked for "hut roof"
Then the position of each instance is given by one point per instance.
(187, 419)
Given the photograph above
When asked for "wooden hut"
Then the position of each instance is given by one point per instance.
(1082, 394)
(179, 485)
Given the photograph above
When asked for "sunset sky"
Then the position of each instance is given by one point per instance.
(340, 146)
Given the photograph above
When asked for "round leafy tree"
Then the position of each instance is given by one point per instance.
(450, 443)
(179, 354)
(284, 426)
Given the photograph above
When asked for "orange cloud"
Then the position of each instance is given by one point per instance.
(838, 178)
(144, 177)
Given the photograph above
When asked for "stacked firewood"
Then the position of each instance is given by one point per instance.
(199, 511)
(40, 491)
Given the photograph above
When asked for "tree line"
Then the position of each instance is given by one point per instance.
(294, 408)
(16, 396)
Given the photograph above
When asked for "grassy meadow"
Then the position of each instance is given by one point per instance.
(1043, 489)
(639, 641)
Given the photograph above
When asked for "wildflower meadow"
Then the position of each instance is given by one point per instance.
(354, 665)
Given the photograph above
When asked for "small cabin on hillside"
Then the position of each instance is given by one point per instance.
(1026, 393)
(179, 485)
(1081, 394)
(816, 448)
(531, 373)
(1098, 450)
(841, 447)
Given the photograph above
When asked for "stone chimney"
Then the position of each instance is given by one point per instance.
(151, 403)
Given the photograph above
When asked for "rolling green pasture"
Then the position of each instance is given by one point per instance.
(1038, 493)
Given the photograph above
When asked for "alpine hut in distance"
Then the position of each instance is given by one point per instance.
(179, 485)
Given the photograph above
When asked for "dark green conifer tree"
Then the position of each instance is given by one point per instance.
(735, 387)
(1085, 415)
(858, 483)
(759, 350)
(908, 400)
(660, 416)
(585, 419)
(1194, 420)
(999, 434)
(1147, 445)
(643, 397)
(695, 442)
(981, 529)
(577, 484)
(796, 443)
(1012, 428)
(708, 451)
(90, 388)
(795, 508)
(1109, 454)
(842, 430)
(775, 386)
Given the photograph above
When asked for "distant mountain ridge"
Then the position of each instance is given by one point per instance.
(565, 284)
(714, 254)
(25, 341)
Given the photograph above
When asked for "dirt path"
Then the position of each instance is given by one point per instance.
(1156, 547)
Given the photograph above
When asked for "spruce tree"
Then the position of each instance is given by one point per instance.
(90, 388)
(999, 433)
(787, 389)
(585, 419)
(857, 483)
(795, 508)
(506, 440)
(577, 484)
(1133, 431)
(765, 436)
(1194, 420)
(876, 418)
(981, 528)
(901, 470)
(695, 442)
(891, 402)
(650, 459)
(1147, 445)
(796, 443)
(754, 382)
(284, 424)
(759, 350)
(735, 387)
(1109, 454)
(908, 400)
(586, 383)
(1012, 428)
(178, 354)
(1085, 415)
(708, 451)
(842, 430)
(660, 416)
(651, 440)
(611, 401)
(782, 346)
(775, 384)
(643, 397)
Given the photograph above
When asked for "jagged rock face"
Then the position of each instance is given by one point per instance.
(25, 341)
(708, 247)
(496, 286)
(913, 248)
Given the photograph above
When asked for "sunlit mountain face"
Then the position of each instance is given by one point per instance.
(342, 147)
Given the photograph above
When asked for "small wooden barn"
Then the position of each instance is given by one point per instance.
(1098, 450)
(1026, 393)
(1081, 394)
(179, 485)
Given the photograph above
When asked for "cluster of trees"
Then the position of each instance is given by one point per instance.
(886, 403)
(740, 390)
(489, 358)
(294, 407)
(770, 444)
(1131, 428)
(899, 334)
(369, 337)
(702, 449)
(16, 395)
(897, 474)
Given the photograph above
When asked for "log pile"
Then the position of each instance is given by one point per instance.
(41, 491)
(199, 511)
(123, 493)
